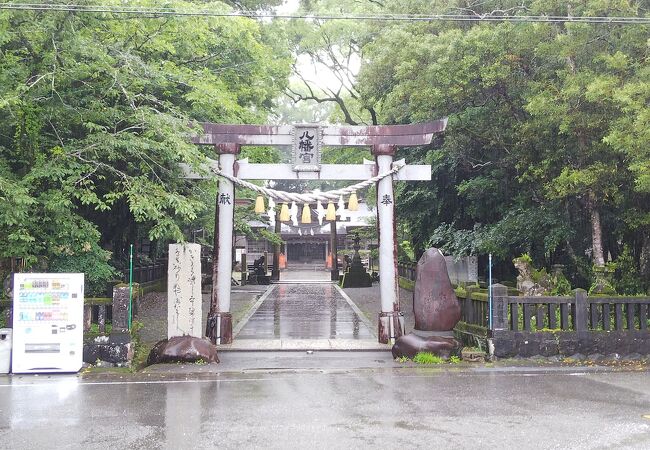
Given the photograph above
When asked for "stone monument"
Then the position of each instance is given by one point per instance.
(436, 310)
(120, 312)
(355, 274)
(184, 291)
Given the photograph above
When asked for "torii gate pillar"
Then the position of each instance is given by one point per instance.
(383, 141)
(391, 319)
(219, 323)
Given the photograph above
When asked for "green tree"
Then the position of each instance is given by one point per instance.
(546, 125)
(96, 112)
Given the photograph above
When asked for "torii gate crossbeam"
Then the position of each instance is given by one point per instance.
(383, 141)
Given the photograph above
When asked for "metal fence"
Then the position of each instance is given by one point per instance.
(146, 273)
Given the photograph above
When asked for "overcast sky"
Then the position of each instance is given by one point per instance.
(317, 74)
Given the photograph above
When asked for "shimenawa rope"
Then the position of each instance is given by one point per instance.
(310, 197)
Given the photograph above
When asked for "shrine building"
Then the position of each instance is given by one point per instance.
(308, 244)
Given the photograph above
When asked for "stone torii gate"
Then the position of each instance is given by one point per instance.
(306, 141)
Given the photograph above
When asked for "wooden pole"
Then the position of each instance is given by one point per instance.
(333, 250)
(275, 272)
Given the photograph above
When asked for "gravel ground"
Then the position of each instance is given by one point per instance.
(152, 310)
(368, 301)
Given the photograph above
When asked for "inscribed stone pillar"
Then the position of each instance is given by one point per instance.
(120, 309)
(472, 269)
(184, 291)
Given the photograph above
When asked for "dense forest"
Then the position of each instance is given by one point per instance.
(546, 152)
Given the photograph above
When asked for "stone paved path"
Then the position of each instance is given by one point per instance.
(304, 275)
(305, 311)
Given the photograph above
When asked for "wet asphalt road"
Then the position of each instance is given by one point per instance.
(330, 408)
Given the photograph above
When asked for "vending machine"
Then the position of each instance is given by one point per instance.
(48, 322)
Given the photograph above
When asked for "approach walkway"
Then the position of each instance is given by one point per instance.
(305, 275)
(310, 316)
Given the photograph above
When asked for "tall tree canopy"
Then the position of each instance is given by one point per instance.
(546, 148)
(95, 112)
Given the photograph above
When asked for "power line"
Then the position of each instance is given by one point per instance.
(163, 11)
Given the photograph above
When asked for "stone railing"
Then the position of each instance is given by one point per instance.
(406, 270)
(548, 326)
(474, 306)
(576, 313)
(101, 310)
(97, 310)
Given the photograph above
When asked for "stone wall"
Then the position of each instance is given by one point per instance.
(508, 344)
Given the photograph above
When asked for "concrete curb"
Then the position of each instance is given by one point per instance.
(274, 345)
(388, 366)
